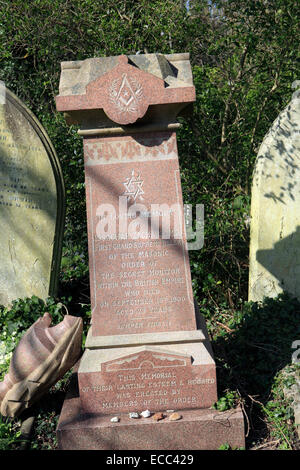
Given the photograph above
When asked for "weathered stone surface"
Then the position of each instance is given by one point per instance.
(31, 205)
(140, 279)
(43, 355)
(125, 87)
(157, 378)
(275, 216)
(204, 429)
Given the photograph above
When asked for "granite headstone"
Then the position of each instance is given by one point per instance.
(147, 348)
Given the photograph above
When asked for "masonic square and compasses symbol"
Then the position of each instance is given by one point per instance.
(126, 95)
(133, 187)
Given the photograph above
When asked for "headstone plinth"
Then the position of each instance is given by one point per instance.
(147, 348)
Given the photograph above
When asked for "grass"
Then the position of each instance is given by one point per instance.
(253, 350)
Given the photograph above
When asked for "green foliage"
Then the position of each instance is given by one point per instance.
(228, 447)
(9, 434)
(226, 402)
(224, 447)
(44, 432)
(259, 343)
(253, 354)
(280, 414)
(244, 63)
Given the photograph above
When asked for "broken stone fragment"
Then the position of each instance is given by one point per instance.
(175, 417)
(158, 416)
(146, 414)
(134, 415)
(42, 357)
(115, 419)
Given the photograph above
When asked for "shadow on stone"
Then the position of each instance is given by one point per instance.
(283, 263)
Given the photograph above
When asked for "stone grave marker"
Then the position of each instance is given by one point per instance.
(147, 347)
(275, 216)
(31, 204)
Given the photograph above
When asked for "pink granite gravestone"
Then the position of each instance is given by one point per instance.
(147, 348)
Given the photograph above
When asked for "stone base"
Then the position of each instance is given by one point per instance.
(161, 377)
(201, 429)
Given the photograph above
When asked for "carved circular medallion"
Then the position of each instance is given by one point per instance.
(126, 98)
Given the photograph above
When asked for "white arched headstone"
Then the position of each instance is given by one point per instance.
(275, 209)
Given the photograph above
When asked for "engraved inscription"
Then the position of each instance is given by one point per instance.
(28, 205)
(156, 389)
(142, 302)
(125, 93)
(140, 275)
(17, 188)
